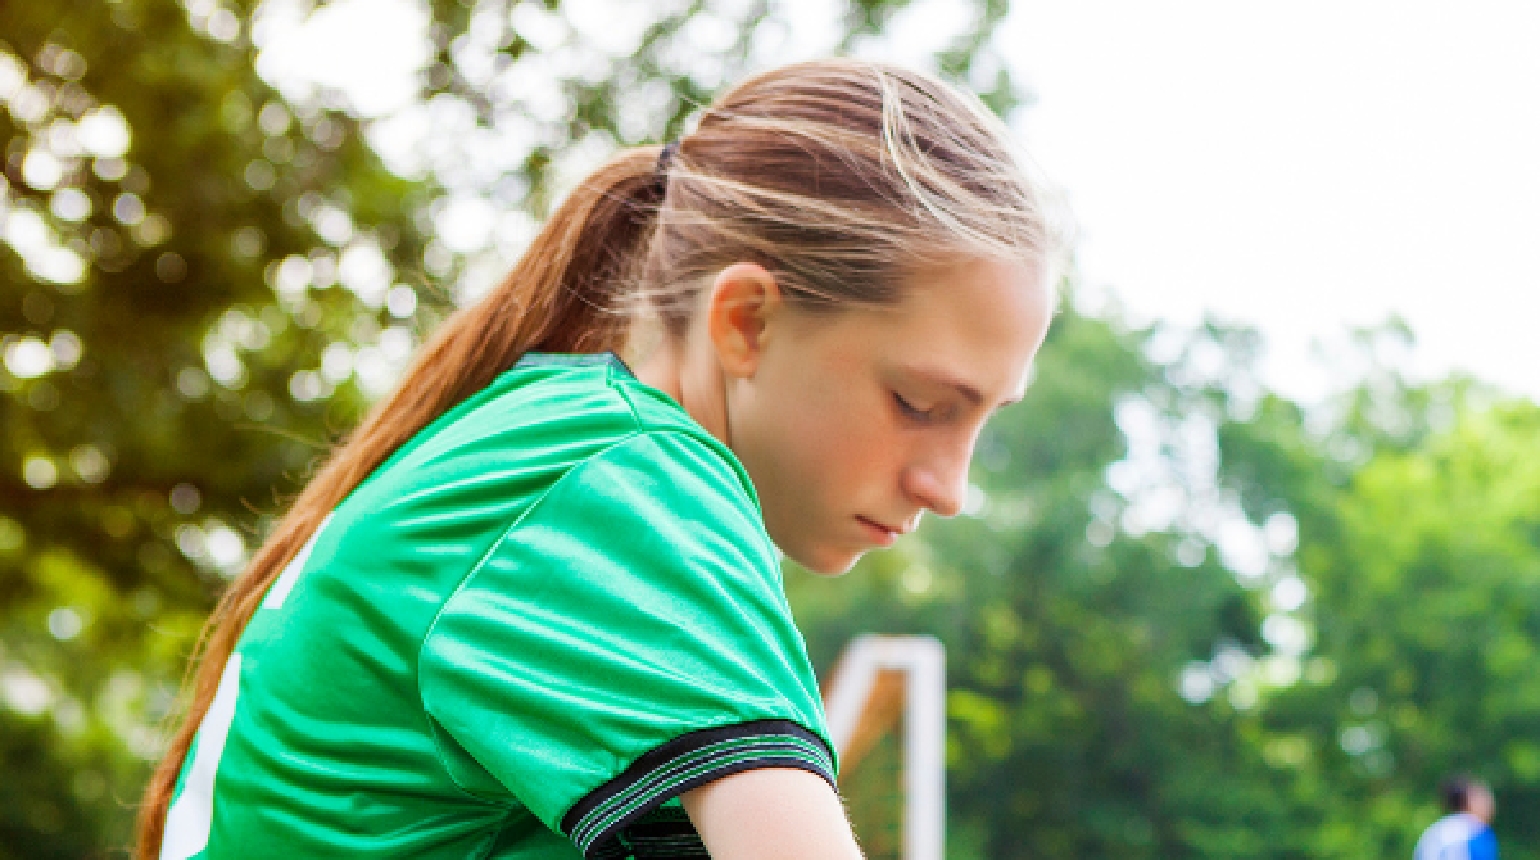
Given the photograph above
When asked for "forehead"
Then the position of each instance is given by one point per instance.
(978, 322)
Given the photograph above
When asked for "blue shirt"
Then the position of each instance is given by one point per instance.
(1460, 836)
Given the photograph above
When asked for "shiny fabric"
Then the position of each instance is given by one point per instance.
(559, 577)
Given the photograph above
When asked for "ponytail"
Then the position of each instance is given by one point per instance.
(564, 295)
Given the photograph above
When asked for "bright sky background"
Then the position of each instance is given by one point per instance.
(1302, 166)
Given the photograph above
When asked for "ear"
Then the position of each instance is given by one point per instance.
(741, 303)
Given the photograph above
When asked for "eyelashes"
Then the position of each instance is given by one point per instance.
(912, 412)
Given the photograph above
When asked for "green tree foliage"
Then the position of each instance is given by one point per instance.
(1190, 618)
(1424, 569)
(154, 390)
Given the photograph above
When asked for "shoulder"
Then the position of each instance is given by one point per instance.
(624, 442)
(1459, 829)
(1483, 845)
(550, 412)
(657, 500)
(567, 403)
(503, 447)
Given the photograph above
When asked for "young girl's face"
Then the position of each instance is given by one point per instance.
(854, 423)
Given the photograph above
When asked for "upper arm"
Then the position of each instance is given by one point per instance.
(626, 642)
(771, 813)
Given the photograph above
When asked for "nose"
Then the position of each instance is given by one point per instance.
(940, 481)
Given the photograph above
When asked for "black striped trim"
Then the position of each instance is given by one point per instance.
(666, 833)
(687, 762)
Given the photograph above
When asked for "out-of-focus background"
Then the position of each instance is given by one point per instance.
(1255, 564)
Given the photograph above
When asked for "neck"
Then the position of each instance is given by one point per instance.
(694, 381)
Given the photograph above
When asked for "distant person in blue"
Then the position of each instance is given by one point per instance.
(1465, 833)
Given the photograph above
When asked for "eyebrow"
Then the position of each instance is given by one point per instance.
(942, 378)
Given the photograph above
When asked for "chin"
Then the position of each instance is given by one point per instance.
(827, 562)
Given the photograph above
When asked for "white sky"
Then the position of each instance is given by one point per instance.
(1302, 166)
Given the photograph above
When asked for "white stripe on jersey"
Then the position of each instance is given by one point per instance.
(285, 582)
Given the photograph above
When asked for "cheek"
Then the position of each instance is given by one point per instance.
(822, 445)
(827, 437)
(845, 453)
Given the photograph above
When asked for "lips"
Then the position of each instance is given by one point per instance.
(883, 534)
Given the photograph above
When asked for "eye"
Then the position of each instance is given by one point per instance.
(912, 412)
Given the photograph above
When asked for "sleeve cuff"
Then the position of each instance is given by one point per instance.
(689, 761)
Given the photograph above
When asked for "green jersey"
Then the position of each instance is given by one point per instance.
(530, 630)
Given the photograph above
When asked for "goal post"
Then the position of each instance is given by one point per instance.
(886, 700)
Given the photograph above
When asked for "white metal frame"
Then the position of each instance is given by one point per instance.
(922, 660)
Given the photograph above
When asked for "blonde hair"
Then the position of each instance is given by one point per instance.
(835, 175)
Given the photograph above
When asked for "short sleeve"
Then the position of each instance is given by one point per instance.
(627, 640)
(1483, 846)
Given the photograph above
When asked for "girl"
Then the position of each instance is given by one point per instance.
(532, 608)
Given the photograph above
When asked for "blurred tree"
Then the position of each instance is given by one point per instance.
(1425, 580)
(149, 394)
(207, 277)
(1189, 618)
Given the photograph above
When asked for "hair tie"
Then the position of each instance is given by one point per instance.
(665, 161)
